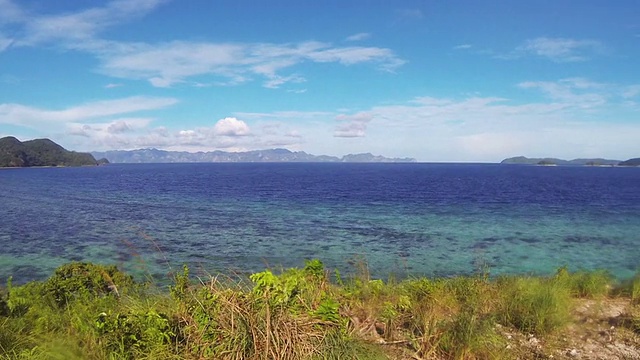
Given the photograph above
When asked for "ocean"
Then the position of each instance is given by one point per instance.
(398, 219)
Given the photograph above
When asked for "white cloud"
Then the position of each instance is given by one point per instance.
(84, 24)
(353, 126)
(492, 145)
(230, 134)
(162, 82)
(568, 121)
(462, 47)
(79, 130)
(231, 126)
(285, 115)
(276, 81)
(113, 85)
(161, 131)
(631, 91)
(358, 37)
(354, 55)
(10, 12)
(118, 127)
(571, 91)
(559, 49)
(17, 114)
(293, 134)
(578, 118)
(169, 63)
(5, 42)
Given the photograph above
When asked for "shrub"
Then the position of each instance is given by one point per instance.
(585, 284)
(537, 305)
(85, 280)
(133, 333)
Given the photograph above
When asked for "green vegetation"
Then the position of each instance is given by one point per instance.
(546, 162)
(39, 152)
(88, 311)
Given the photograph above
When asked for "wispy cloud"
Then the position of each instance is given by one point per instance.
(5, 42)
(559, 49)
(276, 81)
(409, 14)
(285, 115)
(578, 92)
(113, 85)
(83, 24)
(631, 91)
(165, 64)
(358, 37)
(462, 47)
(17, 114)
(171, 63)
(10, 12)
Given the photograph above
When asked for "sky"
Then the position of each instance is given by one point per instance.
(452, 81)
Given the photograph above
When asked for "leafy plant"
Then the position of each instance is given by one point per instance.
(85, 280)
(182, 283)
(329, 310)
(128, 334)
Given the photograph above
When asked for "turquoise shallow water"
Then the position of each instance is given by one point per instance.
(403, 219)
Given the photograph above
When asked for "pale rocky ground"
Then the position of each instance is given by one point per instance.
(601, 330)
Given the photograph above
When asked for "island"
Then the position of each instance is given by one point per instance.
(269, 155)
(40, 152)
(630, 162)
(523, 160)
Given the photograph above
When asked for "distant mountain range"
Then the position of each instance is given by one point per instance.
(631, 162)
(271, 155)
(39, 152)
(585, 162)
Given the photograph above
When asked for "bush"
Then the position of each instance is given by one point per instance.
(583, 284)
(85, 280)
(134, 333)
(534, 305)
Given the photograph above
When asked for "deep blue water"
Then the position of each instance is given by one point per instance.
(403, 219)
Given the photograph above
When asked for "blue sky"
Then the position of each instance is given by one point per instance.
(434, 80)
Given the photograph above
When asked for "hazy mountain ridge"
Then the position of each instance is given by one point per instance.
(40, 152)
(270, 155)
(523, 160)
(630, 162)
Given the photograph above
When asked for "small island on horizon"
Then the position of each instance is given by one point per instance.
(523, 160)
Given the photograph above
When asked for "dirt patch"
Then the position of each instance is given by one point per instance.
(601, 330)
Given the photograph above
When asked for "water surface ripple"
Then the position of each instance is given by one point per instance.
(404, 219)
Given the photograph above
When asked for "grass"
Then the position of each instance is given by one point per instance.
(93, 311)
